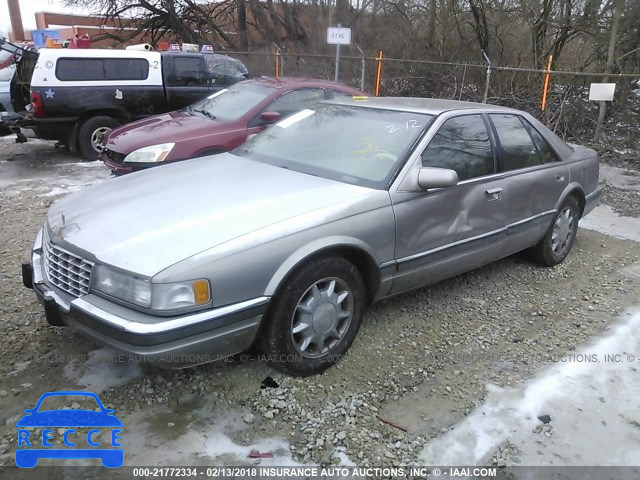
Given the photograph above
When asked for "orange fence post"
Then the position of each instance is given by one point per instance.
(378, 72)
(277, 63)
(545, 88)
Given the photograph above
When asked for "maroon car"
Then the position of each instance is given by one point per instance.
(217, 123)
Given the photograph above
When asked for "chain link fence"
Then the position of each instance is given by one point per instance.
(569, 112)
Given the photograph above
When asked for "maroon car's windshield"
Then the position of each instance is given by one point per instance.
(230, 104)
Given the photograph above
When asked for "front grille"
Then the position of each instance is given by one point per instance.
(65, 270)
(114, 156)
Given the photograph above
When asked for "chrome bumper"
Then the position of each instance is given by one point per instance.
(592, 200)
(173, 342)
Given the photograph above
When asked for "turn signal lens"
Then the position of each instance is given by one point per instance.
(201, 293)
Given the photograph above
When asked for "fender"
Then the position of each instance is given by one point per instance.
(317, 247)
(572, 188)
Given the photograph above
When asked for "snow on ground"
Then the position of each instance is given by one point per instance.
(594, 406)
(101, 370)
(604, 220)
(156, 440)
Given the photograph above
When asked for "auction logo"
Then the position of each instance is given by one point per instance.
(63, 423)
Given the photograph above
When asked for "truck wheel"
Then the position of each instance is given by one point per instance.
(315, 317)
(91, 134)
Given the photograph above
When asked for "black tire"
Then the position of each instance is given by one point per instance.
(544, 252)
(281, 345)
(86, 134)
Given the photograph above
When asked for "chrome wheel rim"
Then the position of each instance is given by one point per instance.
(562, 231)
(97, 136)
(322, 317)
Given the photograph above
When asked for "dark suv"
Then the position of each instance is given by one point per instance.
(78, 96)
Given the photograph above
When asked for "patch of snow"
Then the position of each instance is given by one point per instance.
(203, 442)
(592, 400)
(619, 178)
(102, 369)
(604, 220)
(94, 164)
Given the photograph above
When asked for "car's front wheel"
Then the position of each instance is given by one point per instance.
(314, 317)
(557, 242)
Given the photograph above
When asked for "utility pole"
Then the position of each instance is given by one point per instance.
(16, 20)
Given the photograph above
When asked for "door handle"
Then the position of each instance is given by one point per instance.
(493, 194)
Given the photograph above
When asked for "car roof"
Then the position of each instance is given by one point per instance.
(431, 106)
(288, 82)
(96, 53)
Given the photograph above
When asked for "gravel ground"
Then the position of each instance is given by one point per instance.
(420, 362)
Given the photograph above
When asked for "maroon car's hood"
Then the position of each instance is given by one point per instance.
(169, 127)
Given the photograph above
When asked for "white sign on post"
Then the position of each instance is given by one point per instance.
(602, 92)
(339, 36)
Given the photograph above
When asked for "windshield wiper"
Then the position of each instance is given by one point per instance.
(205, 113)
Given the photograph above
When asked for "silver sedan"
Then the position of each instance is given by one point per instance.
(285, 241)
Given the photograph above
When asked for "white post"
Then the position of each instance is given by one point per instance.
(335, 77)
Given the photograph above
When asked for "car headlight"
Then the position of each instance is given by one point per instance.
(123, 286)
(151, 154)
(156, 296)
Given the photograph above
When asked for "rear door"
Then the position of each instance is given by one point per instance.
(186, 80)
(534, 178)
(441, 232)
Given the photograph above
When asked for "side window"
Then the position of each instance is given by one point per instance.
(461, 144)
(517, 147)
(543, 147)
(292, 102)
(80, 69)
(126, 68)
(187, 72)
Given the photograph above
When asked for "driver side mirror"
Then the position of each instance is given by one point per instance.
(430, 177)
(268, 118)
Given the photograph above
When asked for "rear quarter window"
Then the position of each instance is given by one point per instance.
(101, 69)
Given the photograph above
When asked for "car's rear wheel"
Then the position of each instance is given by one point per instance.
(557, 242)
(314, 317)
(91, 134)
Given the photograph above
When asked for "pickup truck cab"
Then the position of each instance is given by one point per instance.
(78, 96)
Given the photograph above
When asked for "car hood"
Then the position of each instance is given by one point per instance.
(170, 127)
(69, 418)
(149, 220)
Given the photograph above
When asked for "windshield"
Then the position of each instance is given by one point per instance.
(362, 146)
(232, 103)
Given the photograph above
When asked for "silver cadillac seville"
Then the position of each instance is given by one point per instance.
(284, 242)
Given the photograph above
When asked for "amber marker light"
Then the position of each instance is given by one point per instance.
(201, 292)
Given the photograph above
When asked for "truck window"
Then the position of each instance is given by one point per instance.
(99, 69)
(80, 69)
(225, 72)
(126, 68)
(187, 71)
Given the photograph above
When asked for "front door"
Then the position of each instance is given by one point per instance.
(187, 82)
(446, 231)
(287, 104)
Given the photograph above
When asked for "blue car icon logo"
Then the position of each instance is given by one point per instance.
(65, 422)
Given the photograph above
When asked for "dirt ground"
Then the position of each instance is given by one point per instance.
(429, 362)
